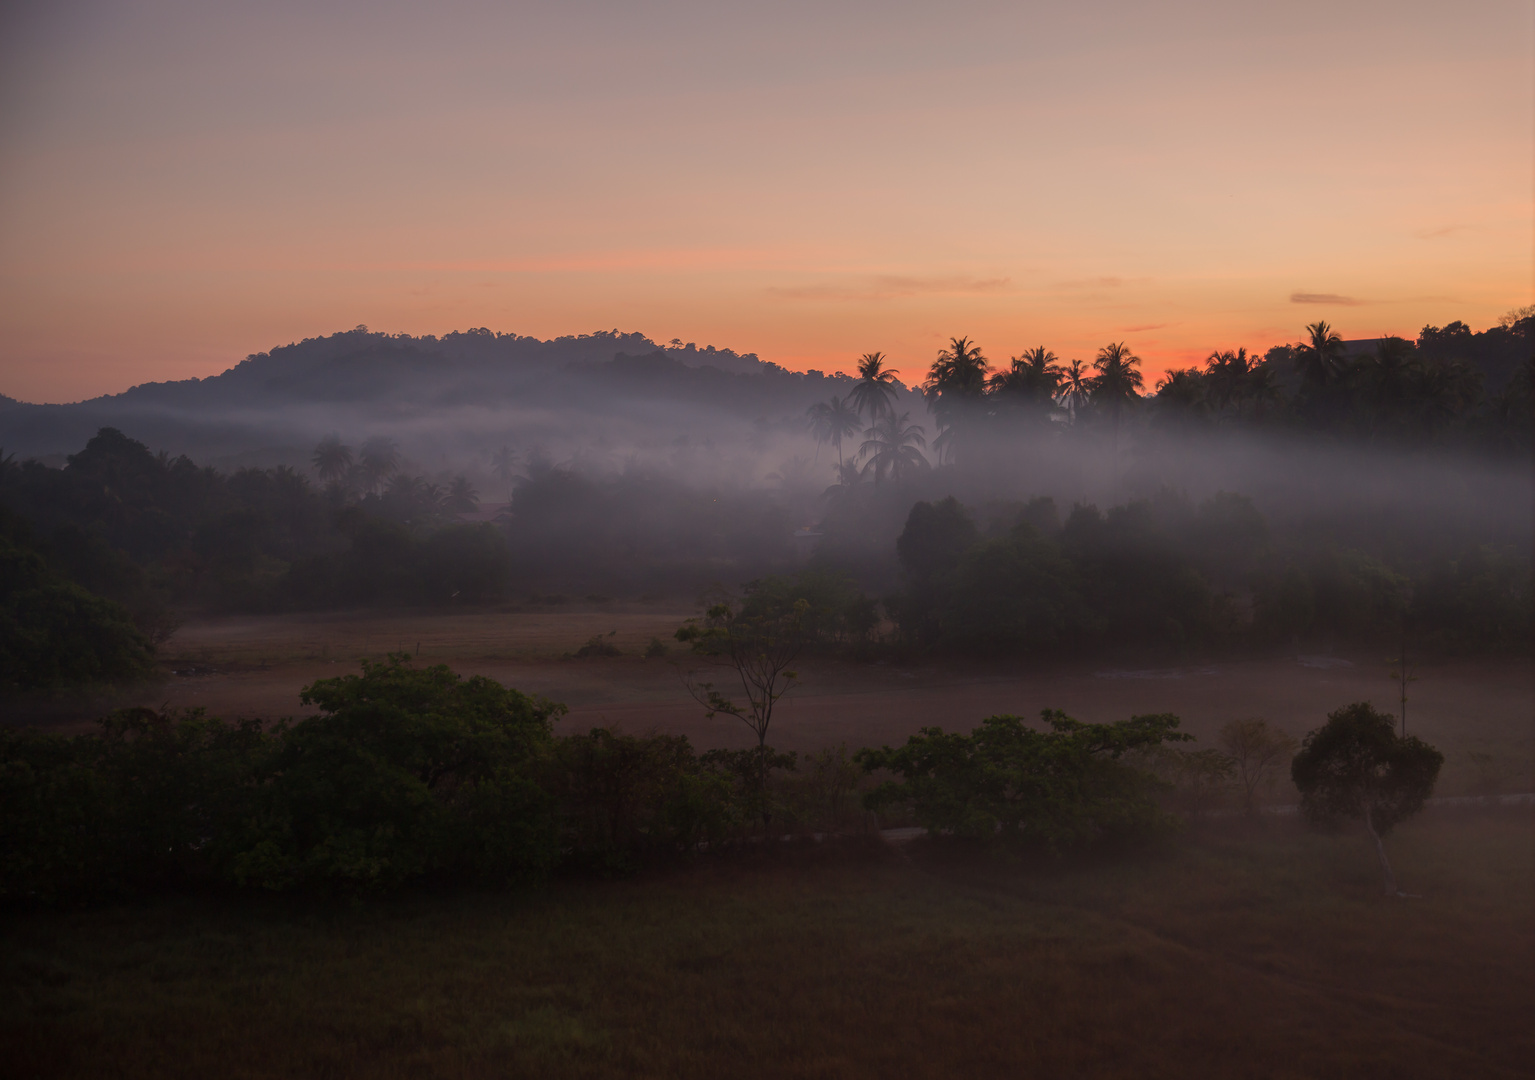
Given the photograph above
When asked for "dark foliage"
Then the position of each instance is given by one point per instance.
(1060, 788)
(1163, 571)
(1357, 767)
(407, 772)
(151, 532)
(153, 799)
(624, 800)
(54, 633)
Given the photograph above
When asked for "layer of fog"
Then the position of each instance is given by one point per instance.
(739, 425)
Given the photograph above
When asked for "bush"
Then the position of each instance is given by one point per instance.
(152, 799)
(623, 800)
(820, 797)
(1059, 789)
(407, 772)
(597, 645)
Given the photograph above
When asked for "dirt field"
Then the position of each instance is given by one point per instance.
(1481, 713)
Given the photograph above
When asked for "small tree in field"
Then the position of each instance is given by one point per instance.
(758, 640)
(1357, 766)
(1257, 750)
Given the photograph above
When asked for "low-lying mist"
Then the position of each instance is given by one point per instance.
(363, 469)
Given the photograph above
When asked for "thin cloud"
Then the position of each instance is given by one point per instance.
(1325, 298)
(1092, 283)
(1440, 233)
(1139, 329)
(890, 287)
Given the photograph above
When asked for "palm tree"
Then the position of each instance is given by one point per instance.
(504, 462)
(874, 393)
(380, 459)
(960, 369)
(832, 421)
(1076, 387)
(461, 497)
(893, 448)
(1032, 380)
(1389, 377)
(1262, 387)
(794, 474)
(1228, 377)
(956, 381)
(1182, 394)
(332, 458)
(1116, 384)
(1320, 361)
(431, 498)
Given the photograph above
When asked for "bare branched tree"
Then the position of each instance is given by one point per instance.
(1259, 752)
(759, 644)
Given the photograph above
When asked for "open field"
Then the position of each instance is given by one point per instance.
(1481, 712)
(1265, 953)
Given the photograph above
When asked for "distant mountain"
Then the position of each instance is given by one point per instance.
(444, 398)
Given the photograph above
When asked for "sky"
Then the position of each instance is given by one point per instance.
(183, 184)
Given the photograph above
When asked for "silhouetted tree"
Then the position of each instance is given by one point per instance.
(1357, 766)
(874, 393)
(461, 497)
(893, 448)
(380, 459)
(1228, 377)
(758, 642)
(832, 421)
(1116, 385)
(332, 459)
(956, 384)
(1320, 360)
(1181, 395)
(1262, 388)
(1031, 381)
(1076, 387)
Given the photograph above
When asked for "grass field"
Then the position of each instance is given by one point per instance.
(1256, 951)
(1479, 711)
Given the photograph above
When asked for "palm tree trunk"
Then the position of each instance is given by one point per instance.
(1116, 455)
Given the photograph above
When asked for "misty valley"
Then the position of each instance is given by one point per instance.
(434, 704)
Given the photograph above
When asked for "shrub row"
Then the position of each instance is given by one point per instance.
(416, 773)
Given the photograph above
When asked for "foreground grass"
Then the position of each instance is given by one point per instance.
(1263, 953)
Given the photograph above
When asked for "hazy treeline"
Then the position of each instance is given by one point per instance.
(1166, 570)
(1368, 498)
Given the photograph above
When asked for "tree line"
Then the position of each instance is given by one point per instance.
(1394, 390)
(1184, 575)
(103, 557)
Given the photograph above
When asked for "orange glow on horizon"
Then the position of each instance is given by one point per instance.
(182, 186)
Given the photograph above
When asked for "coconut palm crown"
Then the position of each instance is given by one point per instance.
(874, 394)
(332, 459)
(832, 421)
(893, 448)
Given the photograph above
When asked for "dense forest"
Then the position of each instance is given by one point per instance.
(1325, 492)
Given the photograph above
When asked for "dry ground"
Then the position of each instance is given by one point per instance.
(1481, 713)
(1265, 953)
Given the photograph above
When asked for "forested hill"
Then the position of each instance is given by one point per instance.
(271, 407)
